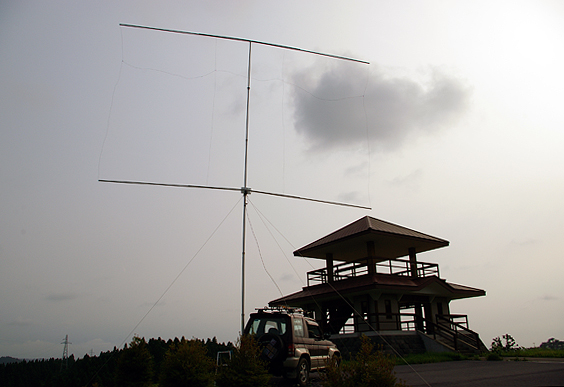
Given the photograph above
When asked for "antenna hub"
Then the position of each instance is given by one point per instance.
(246, 190)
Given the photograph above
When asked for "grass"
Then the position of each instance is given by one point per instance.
(438, 357)
(533, 352)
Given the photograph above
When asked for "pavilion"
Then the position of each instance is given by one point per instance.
(373, 282)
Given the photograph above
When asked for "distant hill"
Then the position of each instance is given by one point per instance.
(9, 359)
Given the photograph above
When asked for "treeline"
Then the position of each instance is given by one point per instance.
(139, 359)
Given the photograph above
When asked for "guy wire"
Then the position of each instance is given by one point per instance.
(168, 288)
(355, 312)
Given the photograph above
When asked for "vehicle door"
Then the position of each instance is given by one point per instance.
(316, 345)
(299, 335)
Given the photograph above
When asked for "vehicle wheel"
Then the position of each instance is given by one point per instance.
(303, 372)
(272, 347)
(336, 359)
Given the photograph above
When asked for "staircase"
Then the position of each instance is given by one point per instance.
(456, 337)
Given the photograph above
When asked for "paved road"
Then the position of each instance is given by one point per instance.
(533, 372)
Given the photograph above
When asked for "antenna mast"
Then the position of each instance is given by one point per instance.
(246, 191)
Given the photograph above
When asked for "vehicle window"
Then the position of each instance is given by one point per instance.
(262, 325)
(313, 331)
(254, 327)
(298, 327)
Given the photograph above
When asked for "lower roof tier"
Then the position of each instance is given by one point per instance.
(375, 284)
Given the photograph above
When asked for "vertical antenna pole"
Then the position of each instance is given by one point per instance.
(245, 191)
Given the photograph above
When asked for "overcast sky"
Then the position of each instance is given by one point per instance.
(455, 129)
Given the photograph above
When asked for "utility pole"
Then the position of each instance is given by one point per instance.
(65, 360)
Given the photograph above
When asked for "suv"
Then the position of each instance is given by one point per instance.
(292, 343)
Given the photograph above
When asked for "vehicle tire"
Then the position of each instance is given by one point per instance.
(303, 372)
(273, 347)
(336, 359)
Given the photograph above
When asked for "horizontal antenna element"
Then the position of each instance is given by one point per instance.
(243, 190)
(244, 40)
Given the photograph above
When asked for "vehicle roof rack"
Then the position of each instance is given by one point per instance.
(281, 309)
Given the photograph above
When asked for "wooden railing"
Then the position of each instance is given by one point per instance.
(450, 330)
(380, 321)
(406, 322)
(401, 267)
(456, 335)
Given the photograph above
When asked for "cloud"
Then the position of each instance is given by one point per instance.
(58, 297)
(341, 107)
(21, 322)
(525, 242)
(351, 197)
(411, 180)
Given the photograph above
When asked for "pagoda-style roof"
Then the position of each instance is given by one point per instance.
(390, 241)
(383, 283)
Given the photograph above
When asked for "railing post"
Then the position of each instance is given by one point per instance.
(370, 259)
(329, 261)
(413, 261)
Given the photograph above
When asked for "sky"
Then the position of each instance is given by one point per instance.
(454, 129)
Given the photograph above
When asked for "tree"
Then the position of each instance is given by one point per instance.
(135, 365)
(187, 364)
(510, 343)
(553, 343)
(245, 369)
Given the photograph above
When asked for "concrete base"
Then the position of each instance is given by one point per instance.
(391, 342)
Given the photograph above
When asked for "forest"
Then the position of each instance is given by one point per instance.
(139, 363)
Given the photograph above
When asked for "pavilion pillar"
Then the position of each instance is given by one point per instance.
(371, 254)
(329, 265)
(412, 261)
(419, 322)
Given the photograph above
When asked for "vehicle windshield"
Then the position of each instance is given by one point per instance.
(267, 324)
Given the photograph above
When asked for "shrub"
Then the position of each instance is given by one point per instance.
(493, 357)
(187, 364)
(245, 369)
(553, 343)
(367, 369)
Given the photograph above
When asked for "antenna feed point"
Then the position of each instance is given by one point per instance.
(246, 190)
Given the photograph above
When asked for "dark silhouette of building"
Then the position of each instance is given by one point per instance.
(372, 283)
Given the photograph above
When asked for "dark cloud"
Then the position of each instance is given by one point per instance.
(331, 112)
(58, 297)
(351, 197)
(549, 297)
(21, 322)
(411, 180)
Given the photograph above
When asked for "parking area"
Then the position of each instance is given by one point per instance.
(532, 372)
